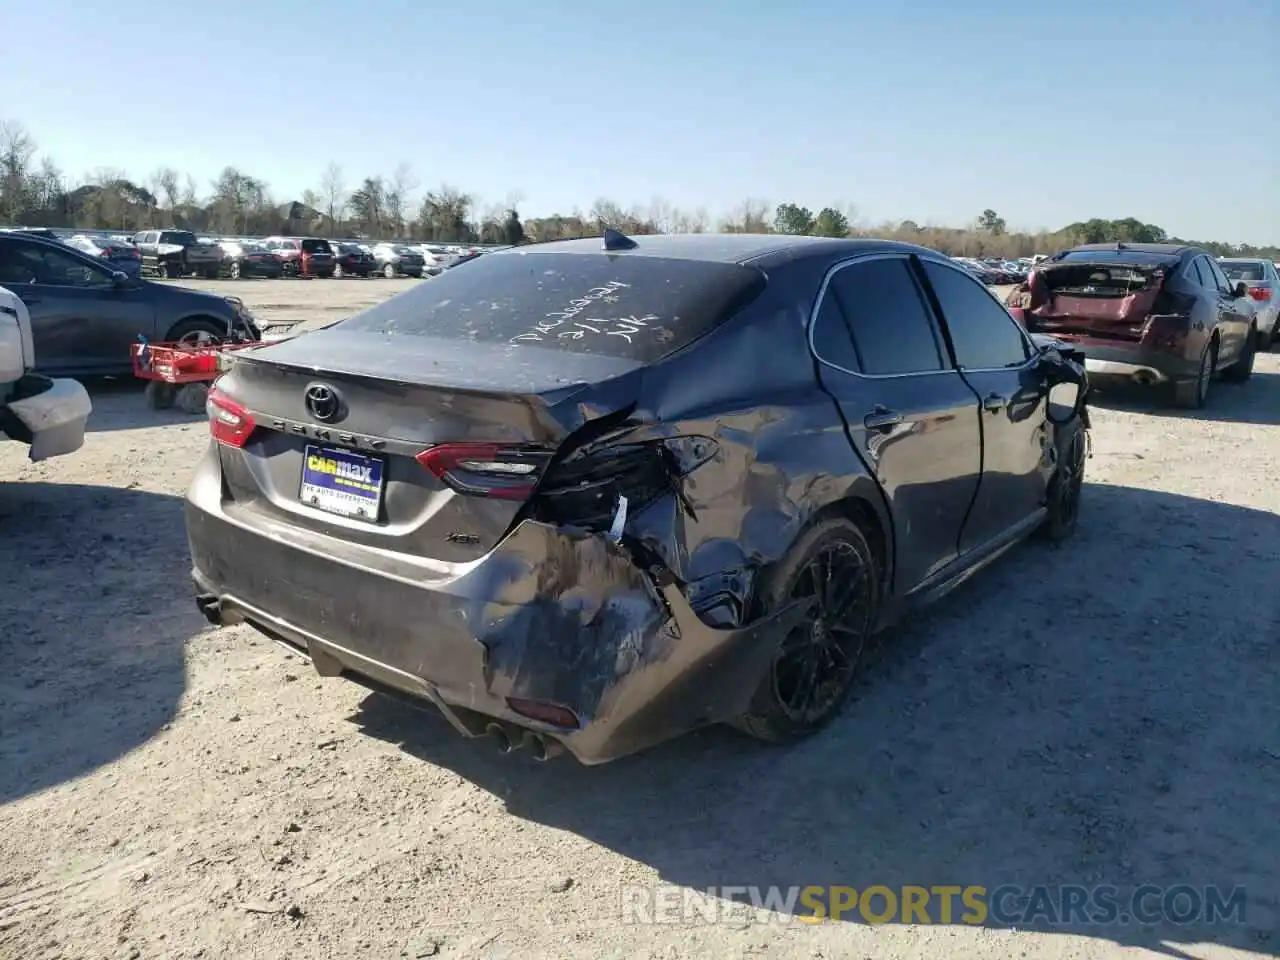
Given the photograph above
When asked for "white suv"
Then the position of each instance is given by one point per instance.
(48, 415)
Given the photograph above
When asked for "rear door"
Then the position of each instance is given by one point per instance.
(999, 362)
(81, 322)
(1236, 313)
(909, 413)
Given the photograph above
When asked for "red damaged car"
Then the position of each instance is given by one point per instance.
(1154, 314)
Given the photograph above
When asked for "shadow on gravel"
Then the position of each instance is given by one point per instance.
(1255, 401)
(91, 651)
(1100, 713)
(120, 403)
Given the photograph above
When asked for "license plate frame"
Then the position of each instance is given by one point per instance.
(342, 482)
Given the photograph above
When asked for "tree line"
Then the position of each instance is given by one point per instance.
(35, 192)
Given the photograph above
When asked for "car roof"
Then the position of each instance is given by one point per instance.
(722, 247)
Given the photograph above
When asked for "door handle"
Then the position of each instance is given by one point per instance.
(881, 419)
(993, 403)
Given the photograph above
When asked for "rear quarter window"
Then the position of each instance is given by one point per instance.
(631, 307)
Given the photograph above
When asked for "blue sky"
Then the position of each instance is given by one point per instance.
(1047, 112)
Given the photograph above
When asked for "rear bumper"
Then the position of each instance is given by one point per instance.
(548, 616)
(1135, 362)
(49, 415)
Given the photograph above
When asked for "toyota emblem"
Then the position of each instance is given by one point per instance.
(324, 403)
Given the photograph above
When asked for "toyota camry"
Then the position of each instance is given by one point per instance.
(590, 494)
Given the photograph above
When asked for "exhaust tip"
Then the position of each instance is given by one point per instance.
(541, 748)
(499, 738)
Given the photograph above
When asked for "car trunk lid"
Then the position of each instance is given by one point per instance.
(1102, 300)
(436, 464)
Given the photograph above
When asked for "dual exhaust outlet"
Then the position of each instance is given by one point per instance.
(508, 738)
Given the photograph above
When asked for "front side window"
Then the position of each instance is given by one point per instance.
(983, 333)
(891, 328)
(48, 266)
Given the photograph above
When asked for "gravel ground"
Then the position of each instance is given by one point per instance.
(1103, 712)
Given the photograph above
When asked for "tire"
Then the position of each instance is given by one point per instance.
(160, 395)
(389, 271)
(198, 330)
(235, 271)
(1242, 369)
(162, 270)
(192, 397)
(1071, 450)
(840, 544)
(337, 271)
(1194, 395)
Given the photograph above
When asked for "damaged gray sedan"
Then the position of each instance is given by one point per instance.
(589, 495)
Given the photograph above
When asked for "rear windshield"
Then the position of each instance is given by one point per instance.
(1250, 271)
(316, 246)
(632, 307)
(1136, 257)
(182, 237)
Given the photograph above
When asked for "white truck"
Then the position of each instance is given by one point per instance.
(47, 414)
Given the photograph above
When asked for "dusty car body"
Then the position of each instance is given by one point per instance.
(583, 498)
(1153, 314)
(48, 415)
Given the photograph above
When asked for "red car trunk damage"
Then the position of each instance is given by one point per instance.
(1105, 302)
(532, 568)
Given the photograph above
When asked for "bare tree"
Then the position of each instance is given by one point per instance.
(164, 183)
(17, 149)
(334, 190)
(398, 195)
(445, 214)
(662, 216)
(750, 216)
(190, 192)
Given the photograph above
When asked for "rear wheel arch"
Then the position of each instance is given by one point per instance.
(863, 506)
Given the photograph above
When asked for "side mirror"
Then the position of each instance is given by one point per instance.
(1064, 401)
(1241, 289)
(119, 279)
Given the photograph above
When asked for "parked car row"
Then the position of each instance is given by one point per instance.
(170, 254)
(994, 272)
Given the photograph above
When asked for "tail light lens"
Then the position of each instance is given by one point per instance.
(494, 470)
(585, 491)
(1260, 293)
(229, 422)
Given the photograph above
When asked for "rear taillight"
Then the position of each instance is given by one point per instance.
(1260, 293)
(495, 470)
(229, 422)
(587, 490)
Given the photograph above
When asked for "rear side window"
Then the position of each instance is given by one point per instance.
(1219, 281)
(891, 328)
(1194, 274)
(632, 307)
(983, 333)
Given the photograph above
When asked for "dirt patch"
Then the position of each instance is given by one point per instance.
(1106, 712)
